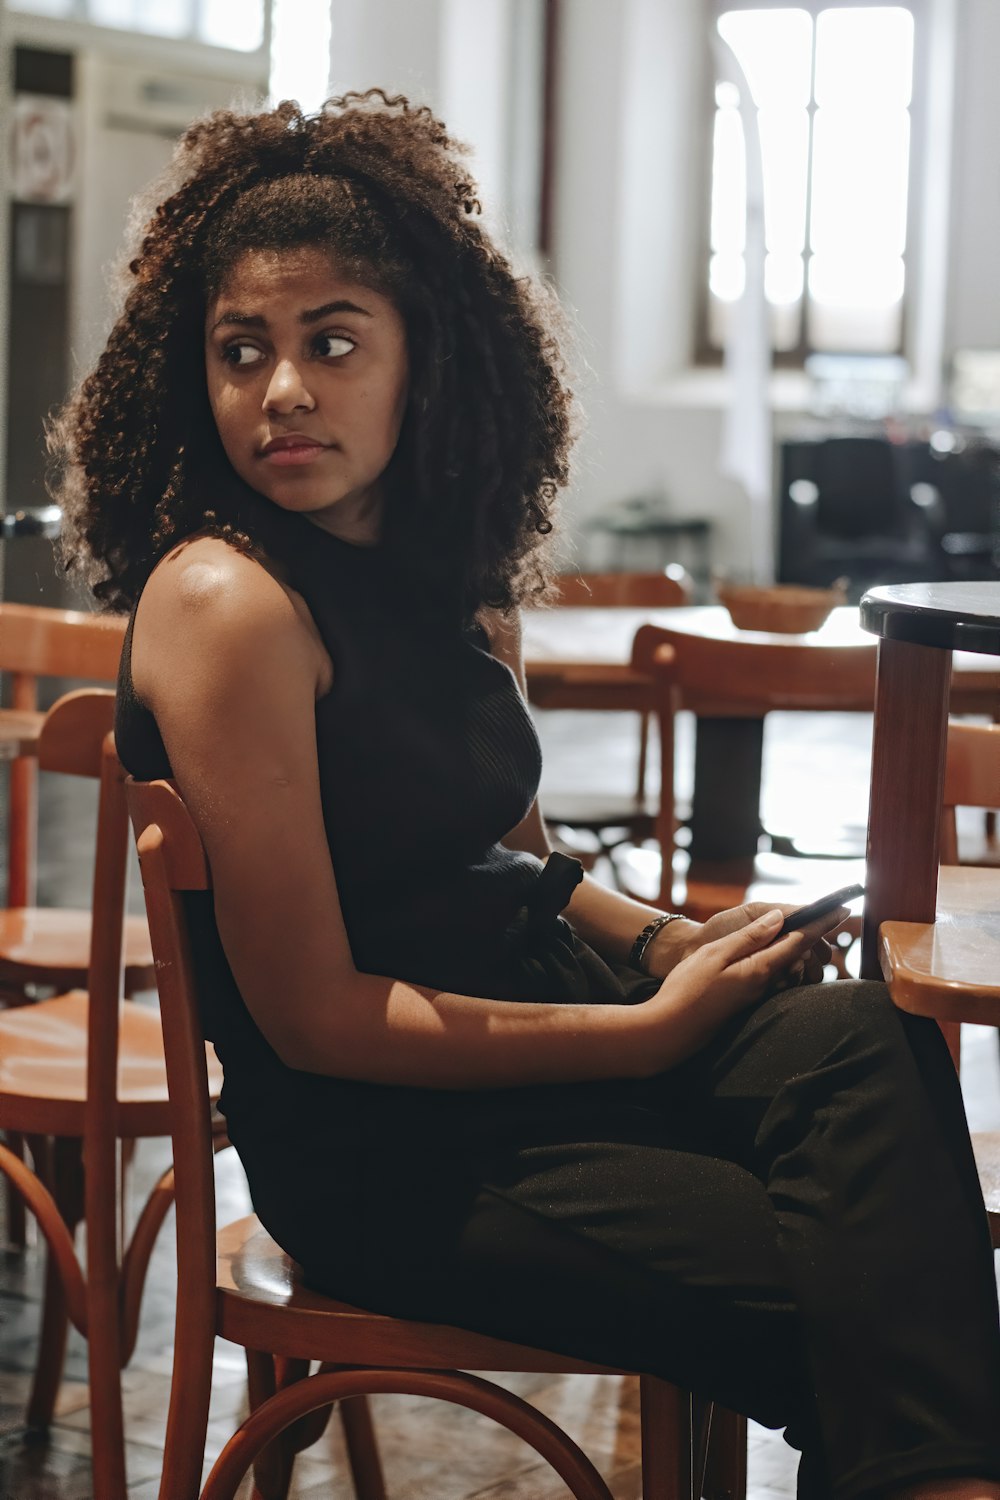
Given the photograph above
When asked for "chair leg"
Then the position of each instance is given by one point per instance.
(67, 1189)
(665, 1415)
(726, 1468)
(272, 1468)
(17, 1222)
(362, 1449)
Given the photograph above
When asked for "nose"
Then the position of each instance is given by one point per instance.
(287, 390)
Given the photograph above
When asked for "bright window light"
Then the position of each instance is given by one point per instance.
(238, 24)
(830, 90)
(300, 52)
(231, 23)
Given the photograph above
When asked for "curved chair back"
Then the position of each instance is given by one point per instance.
(35, 642)
(760, 674)
(971, 778)
(173, 861)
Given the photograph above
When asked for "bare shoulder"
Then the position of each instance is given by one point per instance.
(205, 600)
(208, 581)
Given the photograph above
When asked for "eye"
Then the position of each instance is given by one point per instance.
(242, 355)
(333, 345)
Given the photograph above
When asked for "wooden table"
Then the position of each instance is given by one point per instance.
(580, 658)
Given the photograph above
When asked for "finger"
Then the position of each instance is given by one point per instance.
(745, 940)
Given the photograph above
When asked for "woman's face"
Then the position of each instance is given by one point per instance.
(307, 380)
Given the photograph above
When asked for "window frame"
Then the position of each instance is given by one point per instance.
(707, 355)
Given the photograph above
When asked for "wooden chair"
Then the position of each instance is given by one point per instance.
(742, 677)
(971, 780)
(48, 946)
(45, 945)
(609, 818)
(81, 1076)
(932, 929)
(258, 1299)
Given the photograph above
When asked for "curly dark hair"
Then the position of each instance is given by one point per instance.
(484, 446)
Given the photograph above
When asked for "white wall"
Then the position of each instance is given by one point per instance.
(973, 319)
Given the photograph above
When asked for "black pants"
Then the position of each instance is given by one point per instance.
(789, 1223)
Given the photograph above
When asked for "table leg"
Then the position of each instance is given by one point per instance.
(725, 811)
(908, 757)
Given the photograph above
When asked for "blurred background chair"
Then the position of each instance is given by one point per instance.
(606, 818)
(741, 677)
(43, 945)
(82, 1076)
(42, 652)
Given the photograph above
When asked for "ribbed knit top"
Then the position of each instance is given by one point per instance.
(427, 758)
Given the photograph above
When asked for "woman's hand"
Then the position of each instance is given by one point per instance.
(687, 937)
(725, 974)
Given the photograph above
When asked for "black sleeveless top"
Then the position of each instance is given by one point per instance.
(427, 758)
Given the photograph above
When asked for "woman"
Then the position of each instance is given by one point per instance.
(317, 460)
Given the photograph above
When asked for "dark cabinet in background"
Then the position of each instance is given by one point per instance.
(878, 512)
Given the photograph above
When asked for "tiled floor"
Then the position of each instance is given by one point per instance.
(815, 764)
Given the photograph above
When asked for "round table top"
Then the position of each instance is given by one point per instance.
(962, 616)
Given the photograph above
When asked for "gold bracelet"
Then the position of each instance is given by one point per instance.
(637, 952)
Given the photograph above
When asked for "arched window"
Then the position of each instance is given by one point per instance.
(828, 88)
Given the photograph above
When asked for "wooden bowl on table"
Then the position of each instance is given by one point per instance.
(790, 608)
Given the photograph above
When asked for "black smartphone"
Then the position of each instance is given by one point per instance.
(820, 908)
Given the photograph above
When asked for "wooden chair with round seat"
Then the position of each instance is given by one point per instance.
(45, 946)
(257, 1298)
(608, 817)
(81, 1077)
(744, 676)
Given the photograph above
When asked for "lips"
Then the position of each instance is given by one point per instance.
(293, 448)
(290, 440)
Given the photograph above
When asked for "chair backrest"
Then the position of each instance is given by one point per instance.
(971, 778)
(173, 862)
(668, 588)
(742, 674)
(39, 642)
(735, 678)
(77, 739)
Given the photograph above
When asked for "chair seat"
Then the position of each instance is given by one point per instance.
(54, 944)
(43, 1060)
(263, 1304)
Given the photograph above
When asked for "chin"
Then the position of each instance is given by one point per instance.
(299, 498)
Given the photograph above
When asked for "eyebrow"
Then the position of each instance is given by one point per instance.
(311, 315)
